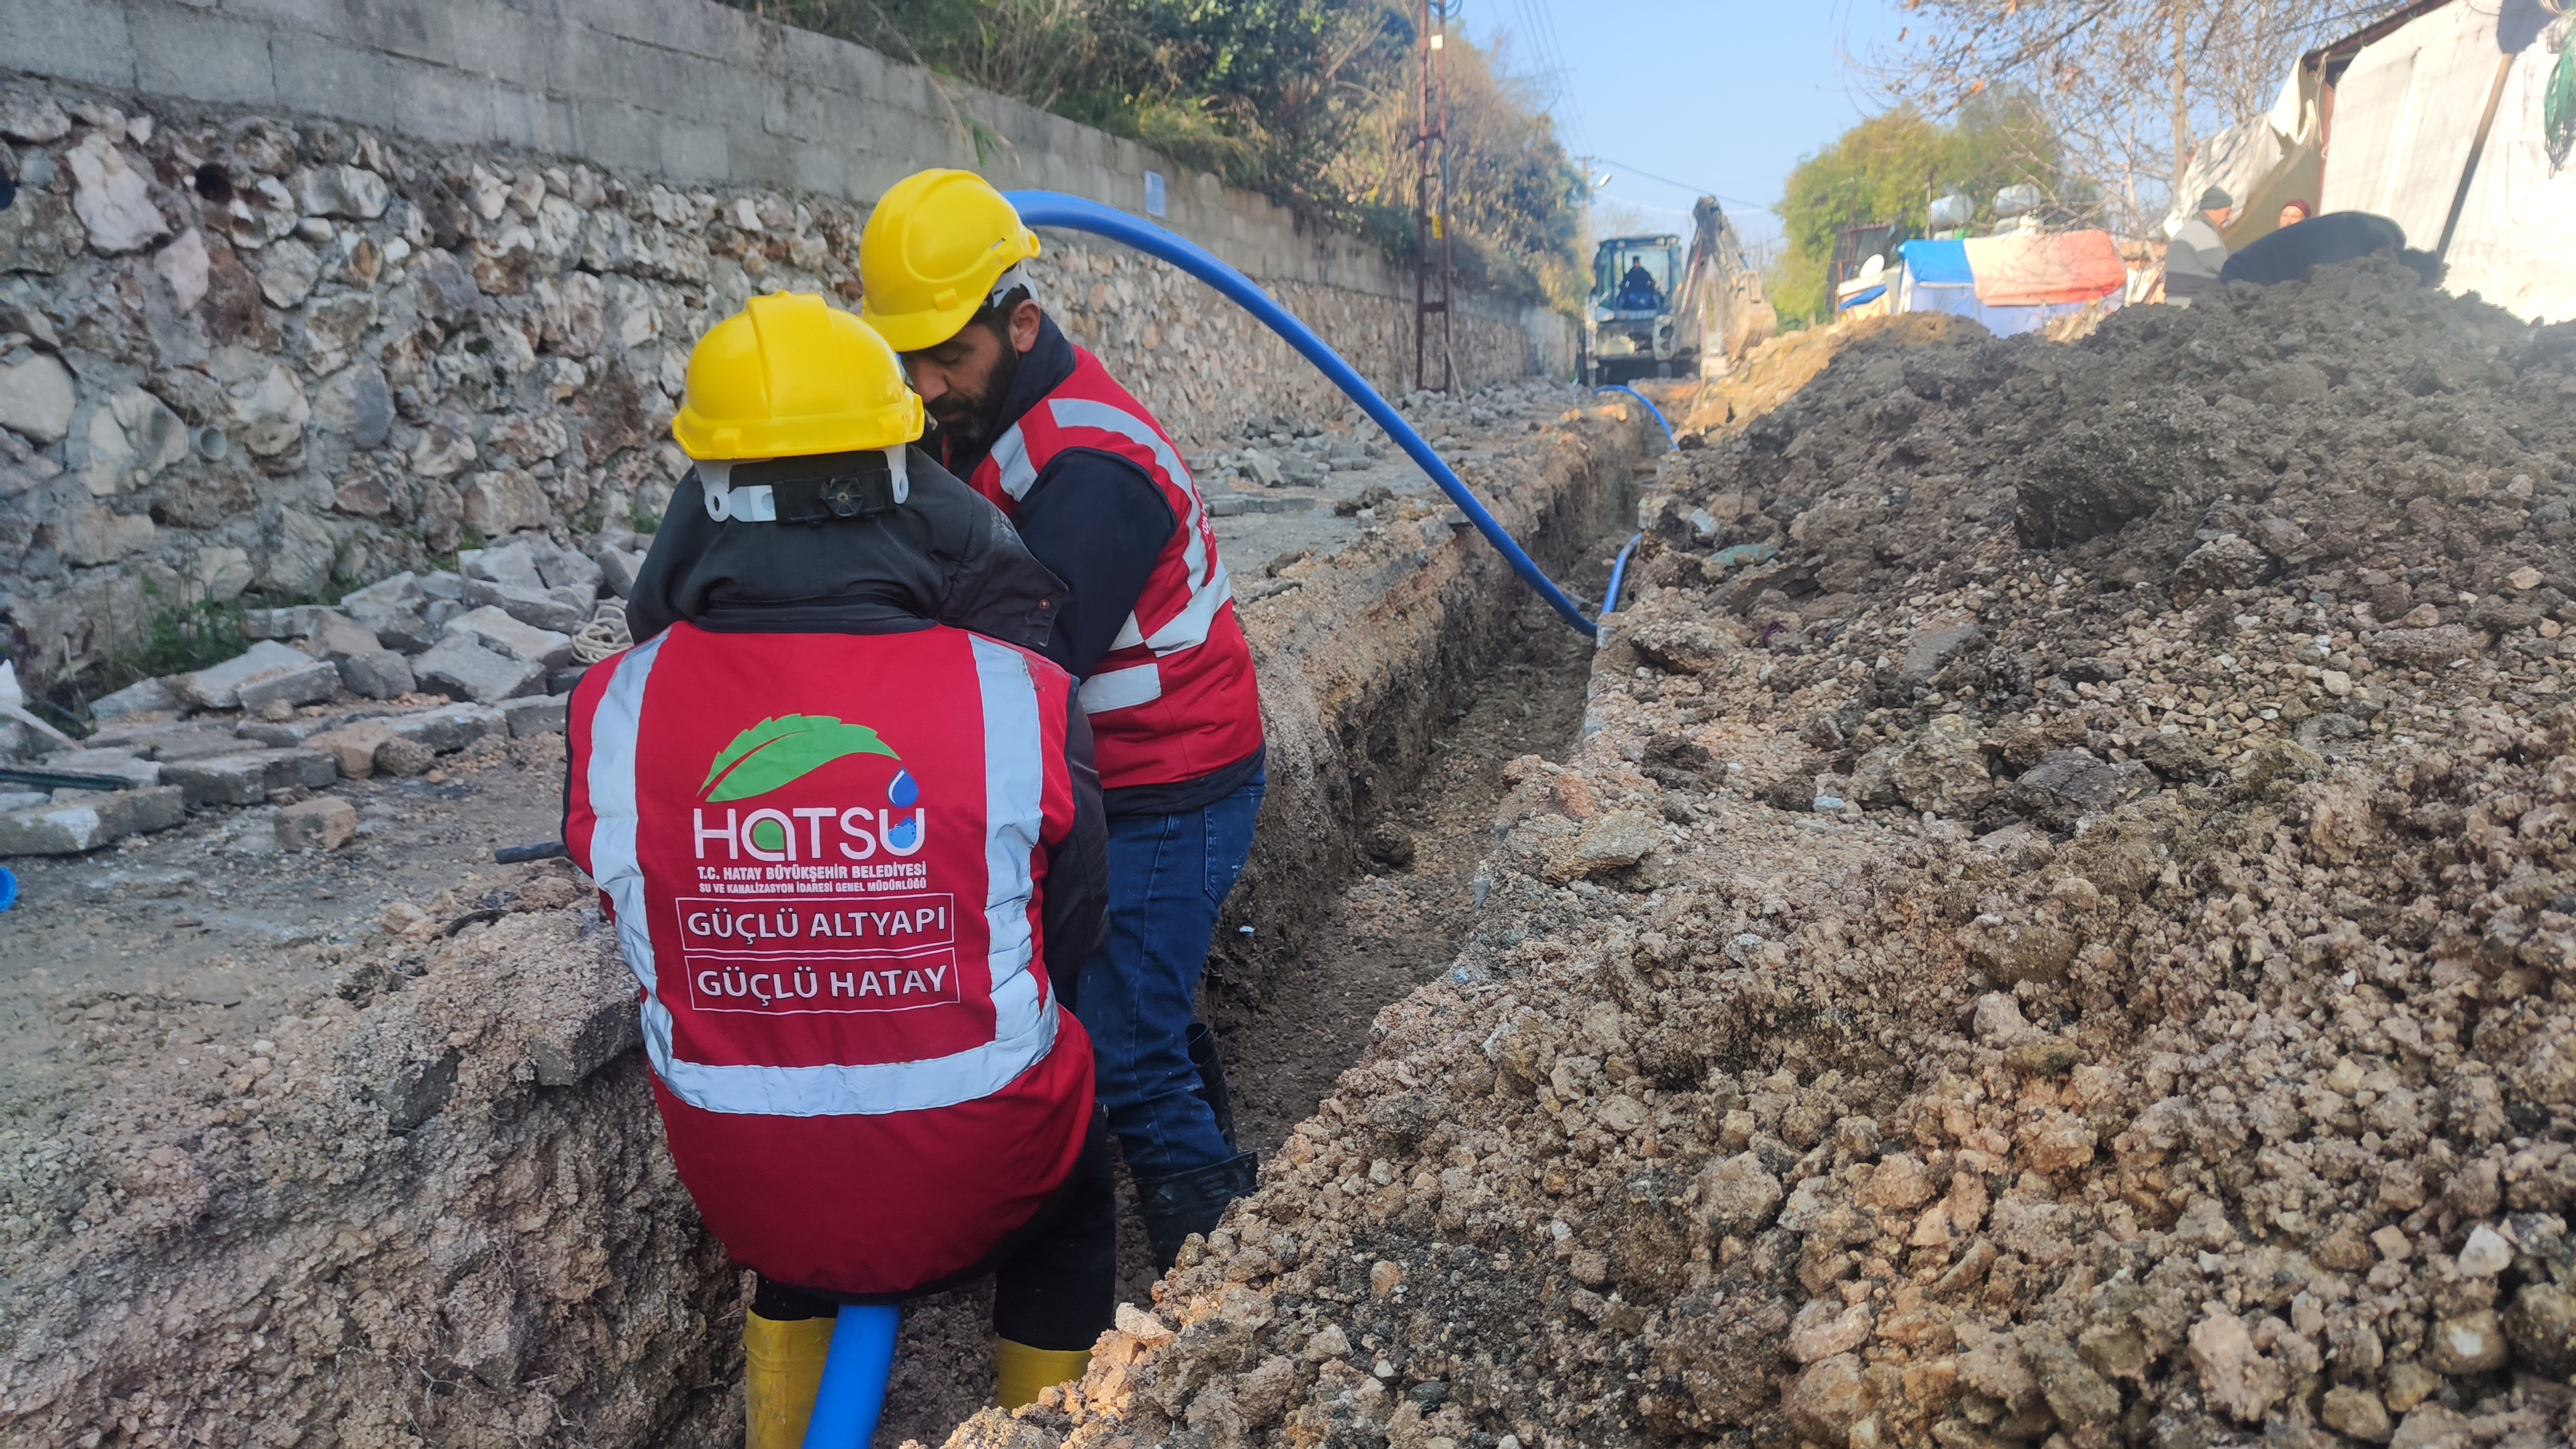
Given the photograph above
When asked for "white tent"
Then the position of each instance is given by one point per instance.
(2456, 88)
(2511, 246)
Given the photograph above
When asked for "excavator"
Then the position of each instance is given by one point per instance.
(1657, 310)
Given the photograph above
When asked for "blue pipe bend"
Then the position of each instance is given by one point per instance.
(1619, 574)
(854, 1377)
(1074, 213)
(1658, 413)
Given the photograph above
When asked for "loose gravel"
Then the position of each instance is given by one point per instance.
(2058, 932)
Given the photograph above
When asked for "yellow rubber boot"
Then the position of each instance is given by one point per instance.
(1020, 1371)
(782, 1370)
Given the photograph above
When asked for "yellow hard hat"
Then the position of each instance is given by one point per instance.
(932, 252)
(789, 376)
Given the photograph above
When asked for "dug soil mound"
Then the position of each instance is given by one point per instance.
(2072, 946)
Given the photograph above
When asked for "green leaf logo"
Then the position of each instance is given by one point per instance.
(781, 751)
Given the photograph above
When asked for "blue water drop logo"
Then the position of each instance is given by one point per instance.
(904, 793)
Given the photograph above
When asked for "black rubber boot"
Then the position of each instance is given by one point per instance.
(1212, 1089)
(1189, 1202)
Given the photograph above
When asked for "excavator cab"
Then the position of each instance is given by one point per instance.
(1628, 326)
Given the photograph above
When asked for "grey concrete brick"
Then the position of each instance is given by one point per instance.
(504, 632)
(79, 820)
(758, 158)
(439, 104)
(536, 714)
(150, 695)
(203, 57)
(377, 674)
(218, 686)
(448, 727)
(124, 764)
(463, 669)
(313, 74)
(819, 169)
(693, 152)
(79, 42)
(332, 18)
(305, 683)
(326, 823)
(552, 610)
(506, 45)
(598, 64)
(418, 29)
(246, 777)
(619, 136)
(695, 29)
(222, 780)
(311, 769)
(557, 123)
(521, 118)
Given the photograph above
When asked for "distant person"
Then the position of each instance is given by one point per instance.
(2290, 254)
(2196, 255)
(2292, 213)
(1637, 290)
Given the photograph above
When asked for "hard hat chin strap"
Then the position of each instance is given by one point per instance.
(805, 490)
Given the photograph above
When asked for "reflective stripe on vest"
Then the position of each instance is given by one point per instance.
(1014, 472)
(1015, 809)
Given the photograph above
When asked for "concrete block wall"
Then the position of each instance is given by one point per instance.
(662, 160)
(684, 91)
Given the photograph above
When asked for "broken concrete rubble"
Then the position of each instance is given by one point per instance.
(462, 668)
(75, 821)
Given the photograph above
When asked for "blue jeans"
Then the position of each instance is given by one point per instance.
(1168, 874)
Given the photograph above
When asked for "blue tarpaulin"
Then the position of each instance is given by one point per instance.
(1937, 263)
(1941, 276)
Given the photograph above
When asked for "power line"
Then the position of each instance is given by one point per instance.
(1538, 27)
(1684, 185)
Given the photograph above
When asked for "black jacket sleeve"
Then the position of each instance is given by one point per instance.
(1075, 912)
(1098, 523)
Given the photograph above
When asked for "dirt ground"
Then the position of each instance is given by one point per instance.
(1404, 918)
(2058, 932)
(1398, 923)
(356, 1144)
(215, 945)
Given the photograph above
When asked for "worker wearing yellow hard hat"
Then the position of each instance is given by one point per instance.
(835, 703)
(1102, 497)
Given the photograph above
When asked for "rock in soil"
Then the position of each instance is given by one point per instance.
(2172, 1042)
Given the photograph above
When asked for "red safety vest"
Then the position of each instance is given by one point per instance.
(824, 855)
(1174, 698)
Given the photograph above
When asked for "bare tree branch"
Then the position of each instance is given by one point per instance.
(2131, 87)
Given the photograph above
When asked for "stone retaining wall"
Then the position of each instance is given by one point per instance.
(247, 354)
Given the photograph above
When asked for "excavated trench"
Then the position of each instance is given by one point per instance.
(385, 1170)
(1294, 997)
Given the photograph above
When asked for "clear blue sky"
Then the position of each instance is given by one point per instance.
(1722, 95)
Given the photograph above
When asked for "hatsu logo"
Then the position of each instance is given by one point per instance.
(780, 751)
(819, 954)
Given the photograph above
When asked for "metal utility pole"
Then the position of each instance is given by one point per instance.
(1431, 296)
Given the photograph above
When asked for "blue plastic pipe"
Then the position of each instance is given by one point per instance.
(1650, 407)
(1073, 213)
(1619, 573)
(854, 1378)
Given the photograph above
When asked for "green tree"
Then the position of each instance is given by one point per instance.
(1311, 102)
(1886, 172)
